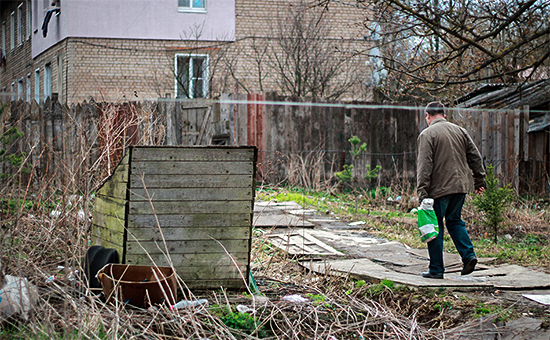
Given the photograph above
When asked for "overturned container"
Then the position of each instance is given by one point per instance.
(138, 285)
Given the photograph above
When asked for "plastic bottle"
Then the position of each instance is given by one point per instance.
(187, 303)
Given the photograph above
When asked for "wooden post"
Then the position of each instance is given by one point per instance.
(259, 135)
(251, 119)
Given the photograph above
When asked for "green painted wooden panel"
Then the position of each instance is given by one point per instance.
(113, 189)
(188, 207)
(113, 223)
(190, 220)
(190, 194)
(195, 181)
(109, 235)
(193, 246)
(110, 206)
(188, 234)
(107, 244)
(193, 153)
(119, 175)
(148, 168)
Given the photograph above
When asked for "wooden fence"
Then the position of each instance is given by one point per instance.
(300, 141)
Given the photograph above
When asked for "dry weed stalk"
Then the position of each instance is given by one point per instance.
(309, 171)
(51, 236)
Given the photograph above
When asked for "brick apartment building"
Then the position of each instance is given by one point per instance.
(119, 50)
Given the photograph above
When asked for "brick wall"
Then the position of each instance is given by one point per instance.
(119, 69)
(18, 63)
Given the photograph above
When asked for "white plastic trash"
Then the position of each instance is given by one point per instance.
(17, 296)
(187, 303)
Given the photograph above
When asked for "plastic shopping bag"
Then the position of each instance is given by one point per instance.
(427, 220)
(17, 296)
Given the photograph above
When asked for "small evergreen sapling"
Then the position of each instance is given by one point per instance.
(493, 201)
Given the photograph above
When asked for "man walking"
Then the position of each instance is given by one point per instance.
(447, 157)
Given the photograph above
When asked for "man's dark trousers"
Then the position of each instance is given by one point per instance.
(450, 207)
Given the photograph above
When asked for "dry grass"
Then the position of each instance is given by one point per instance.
(66, 310)
(45, 233)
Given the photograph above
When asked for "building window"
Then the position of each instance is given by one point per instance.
(191, 76)
(29, 16)
(20, 89)
(12, 30)
(3, 39)
(47, 81)
(37, 85)
(20, 27)
(28, 89)
(192, 5)
(12, 90)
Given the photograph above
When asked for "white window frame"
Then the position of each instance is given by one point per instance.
(191, 8)
(12, 30)
(190, 70)
(20, 26)
(48, 83)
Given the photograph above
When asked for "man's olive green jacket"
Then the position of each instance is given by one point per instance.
(447, 157)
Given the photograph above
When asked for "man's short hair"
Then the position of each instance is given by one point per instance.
(435, 108)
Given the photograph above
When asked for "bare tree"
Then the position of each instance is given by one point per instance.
(306, 60)
(438, 44)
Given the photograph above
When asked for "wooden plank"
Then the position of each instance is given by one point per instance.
(196, 153)
(119, 175)
(517, 148)
(179, 120)
(191, 133)
(216, 284)
(189, 260)
(210, 272)
(140, 168)
(107, 244)
(190, 220)
(109, 235)
(499, 129)
(195, 181)
(203, 131)
(524, 134)
(510, 156)
(190, 194)
(200, 247)
(110, 206)
(188, 234)
(190, 207)
(113, 223)
(114, 189)
(198, 272)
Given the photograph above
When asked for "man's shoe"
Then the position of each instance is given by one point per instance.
(432, 276)
(469, 266)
